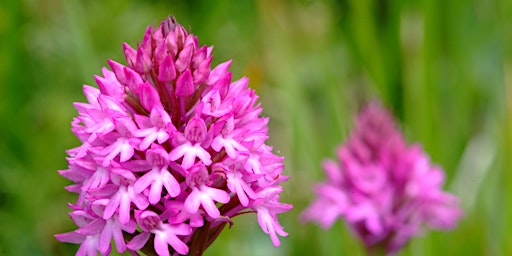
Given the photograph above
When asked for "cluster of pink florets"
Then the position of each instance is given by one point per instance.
(384, 190)
(171, 150)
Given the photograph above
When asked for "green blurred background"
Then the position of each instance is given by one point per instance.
(443, 67)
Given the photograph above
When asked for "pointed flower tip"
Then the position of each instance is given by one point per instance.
(168, 25)
(167, 70)
(219, 72)
(143, 62)
(149, 97)
(130, 54)
(185, 84)
(70, 237)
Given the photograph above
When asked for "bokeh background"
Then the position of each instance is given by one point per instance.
(444, 68)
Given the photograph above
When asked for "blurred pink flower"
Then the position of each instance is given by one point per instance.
(384, 189)
(171, 146)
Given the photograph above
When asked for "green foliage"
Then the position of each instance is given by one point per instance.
(443, 67)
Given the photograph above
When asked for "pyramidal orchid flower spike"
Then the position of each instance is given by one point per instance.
(385, 190)
(171, 151)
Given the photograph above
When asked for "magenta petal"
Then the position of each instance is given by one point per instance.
(147, 220)
(210, 208)
(127, 152)
(93, 228)
(147, 40)
(203, 155)
(167, 234)
(143, 63)
(133, 80)
(218, 72)
(196, 220)
(161, 245)
(332, 171)
(193, 201)
(184, 58)
(119, 240)
(109, 87)
(171, 185)
(199, 57)
(105, 238)
(70, 237)
(148, 140)
(144, 181)
(218, 195)
(157, 156)
(167, 71)
(323, 212)
(73, 175)
(130, 53)
(89, 247)
(178, 152)
(195, 131)
(208, 195)
(124, 208)
(177, 245)
(189, 158)
(270, 226)
(118, 70)
(182, 229)
(139, 241)
(140, 201)
(149, 97)
(189, 153)
(91, 93)
(185, 84)
(237, 185)
(112, 205)
(156, 191)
